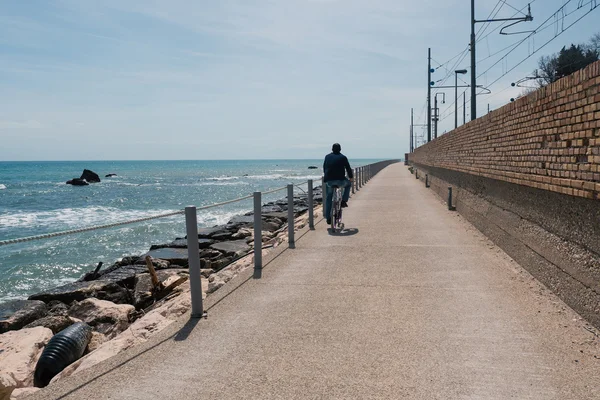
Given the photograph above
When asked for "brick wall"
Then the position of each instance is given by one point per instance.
(549, 140)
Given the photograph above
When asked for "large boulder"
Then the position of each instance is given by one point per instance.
(54, 323)
(104, 316)
(22, 393)
(182, 244)
(176, 256)
(234, 248)
(77, 291)
(16, 314)
(20, 352)
(90, 176)
(7, 385)
(207, 233)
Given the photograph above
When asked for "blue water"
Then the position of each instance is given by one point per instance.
(34, 200)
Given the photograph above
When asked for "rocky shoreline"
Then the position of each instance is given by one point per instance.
(134, 298)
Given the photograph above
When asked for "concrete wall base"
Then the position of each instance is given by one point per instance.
(553, 236)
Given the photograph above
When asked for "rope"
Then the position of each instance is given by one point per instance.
(133, 221)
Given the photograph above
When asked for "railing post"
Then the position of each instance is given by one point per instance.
(450, 207)
(311, 217)
(257, 230)
(426, 180)
(191, 224)
(416, 173)
(360, 175)
(353, 180)
(290, 195)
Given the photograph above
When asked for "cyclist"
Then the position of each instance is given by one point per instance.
(335, 167)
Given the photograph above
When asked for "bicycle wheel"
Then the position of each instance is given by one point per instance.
(334, 214)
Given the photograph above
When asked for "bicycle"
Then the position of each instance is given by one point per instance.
(336, 209)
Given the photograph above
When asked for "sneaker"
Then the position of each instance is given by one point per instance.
(328, 221)
(344, 204)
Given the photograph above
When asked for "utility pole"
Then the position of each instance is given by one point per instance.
(435, 118)
(527, 18)
(473, 68)
(412, 142)
(429, 95)
(464, 107)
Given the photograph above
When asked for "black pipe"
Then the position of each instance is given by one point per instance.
(66, 347)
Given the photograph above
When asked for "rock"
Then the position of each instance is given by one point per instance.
(206, 272)
(225, 235)
(104, 316)
(20, 352)
(242, 220)
(174, 256)
(268, 209)
(77, 291)
(242, 233)
(96, 341)
(206, 233)
(110, 175)
(125, 276)
(270, 226)
(77, 182)
(22, 393)
(90, 176)
(57, 308)
(7, 385)
(214, 283)
(232, 248)
(182, 243)
(16, 314)
(54, 323)
(282, 216)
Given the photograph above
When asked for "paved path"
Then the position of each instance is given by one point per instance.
(417, 304)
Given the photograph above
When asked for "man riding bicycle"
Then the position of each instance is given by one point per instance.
(335, 167)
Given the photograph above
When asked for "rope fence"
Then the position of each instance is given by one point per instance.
(133, 221)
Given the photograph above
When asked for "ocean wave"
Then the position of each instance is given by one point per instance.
(223, 178)
(72, 218)
(283, 177)
(2, 187)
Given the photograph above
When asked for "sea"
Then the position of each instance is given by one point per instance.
(35, 200)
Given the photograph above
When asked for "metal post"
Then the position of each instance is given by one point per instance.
(353, 180)
(429, 95)
(191, 224)
(473, 67)
(450, 207)
(257, 230)
(311, 217)
(416, 173)
(362, 176)
(455, 100)
(426, 180)
(290, 191)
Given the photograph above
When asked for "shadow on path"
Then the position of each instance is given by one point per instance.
(345, 232)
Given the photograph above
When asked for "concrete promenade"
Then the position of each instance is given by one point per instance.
(417, 304)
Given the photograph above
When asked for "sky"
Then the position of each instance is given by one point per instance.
(250, 79)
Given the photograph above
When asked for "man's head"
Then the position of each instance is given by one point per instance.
(336, 148)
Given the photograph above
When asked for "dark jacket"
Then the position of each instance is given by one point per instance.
(335, 167)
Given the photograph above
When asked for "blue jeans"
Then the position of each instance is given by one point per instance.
(342, 183)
